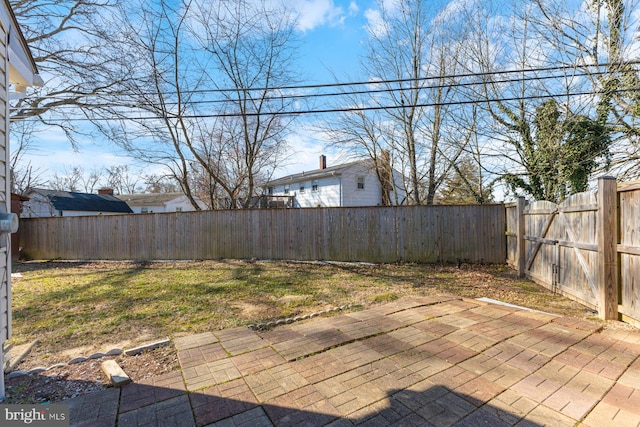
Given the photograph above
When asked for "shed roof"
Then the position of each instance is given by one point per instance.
(72, 201)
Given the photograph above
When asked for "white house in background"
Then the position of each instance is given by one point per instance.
(347, 185)
(47, 203)
(160, 202)
(17, 72)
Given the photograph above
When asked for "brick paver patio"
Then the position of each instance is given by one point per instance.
(437, 361)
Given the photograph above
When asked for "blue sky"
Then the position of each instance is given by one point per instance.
(332, 33)
(335, 45)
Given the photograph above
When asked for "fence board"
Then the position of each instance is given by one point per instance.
(564, 247)
(378, 234)
(629, 256)
(511, 216)
(560, 246)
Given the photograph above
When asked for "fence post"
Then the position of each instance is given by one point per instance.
(607, 224)
(520, 245)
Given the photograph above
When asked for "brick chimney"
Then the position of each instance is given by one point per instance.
(323, 161)
(106, 191)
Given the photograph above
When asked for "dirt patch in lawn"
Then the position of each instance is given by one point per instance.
(254, 310)
(71, 381)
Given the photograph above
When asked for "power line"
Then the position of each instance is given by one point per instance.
(383, 81)
(360, 92)
(333, 110)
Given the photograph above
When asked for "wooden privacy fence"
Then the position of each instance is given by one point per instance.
(377, 234)
(587, 247)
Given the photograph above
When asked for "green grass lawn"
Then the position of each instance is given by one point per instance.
(97, 305)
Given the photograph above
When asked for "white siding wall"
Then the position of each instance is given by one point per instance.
(183, 203)
(150, 209)
(20, 71)
(327, 195)
(398, 195)
(5, 191)
(38, 206)
(341, 190)
(371, 195)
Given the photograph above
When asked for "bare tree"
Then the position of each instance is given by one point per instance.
(155, 183)
(23, 174)
(251, 48)
(91, 180)
(121, 179)
(602, 32)
(75, 47)
(541, 139)
(25, 178)
(412, 54)
(68, 180)
(385, 62)
(208, 107)
(367, 135)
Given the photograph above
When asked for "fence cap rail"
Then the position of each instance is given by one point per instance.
(628, 186)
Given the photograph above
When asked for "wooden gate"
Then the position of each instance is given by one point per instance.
(587, 247)
(629, 250)
(561, 247)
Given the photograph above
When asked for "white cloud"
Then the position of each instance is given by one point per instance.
(306, 146)
(314, 13)
(451, 11)
(374, 16)
(375, 23)
(53, 154)
(59, 160)
(353, 8)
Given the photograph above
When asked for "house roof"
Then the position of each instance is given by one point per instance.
(71, 201)
(314, 174)
(149, 199)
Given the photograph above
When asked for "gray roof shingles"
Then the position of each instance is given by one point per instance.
(314, 174)
(149, 199)
(71, 201)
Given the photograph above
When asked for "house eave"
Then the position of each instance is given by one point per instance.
(23, 71)
(313, 174)
(301, 178)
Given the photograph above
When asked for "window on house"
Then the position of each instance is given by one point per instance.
(286, 189)
(270, 191)
(314, 185)
(302, 188)
(360, 183)
(144, 210)
(178, 209)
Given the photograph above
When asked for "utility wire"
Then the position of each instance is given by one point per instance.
(331, 110)
(359, 92)
(386, 81)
